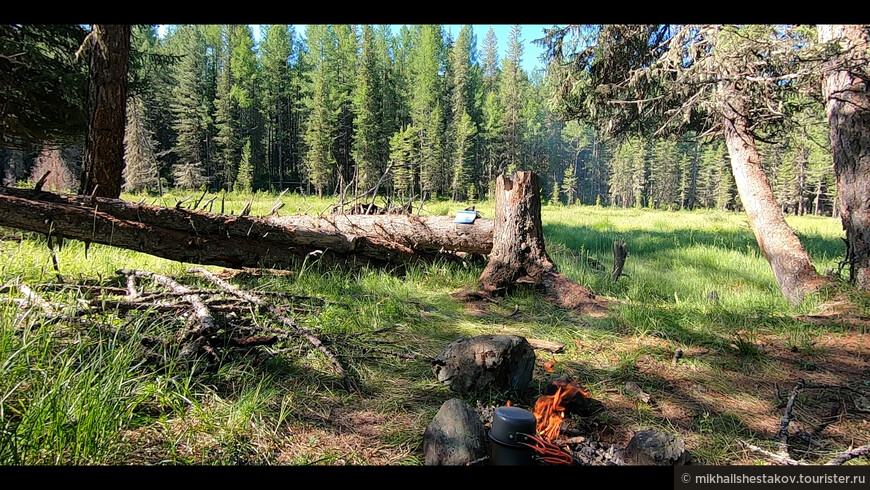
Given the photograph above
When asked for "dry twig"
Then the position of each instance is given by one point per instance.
(200, 310)
(786, 419)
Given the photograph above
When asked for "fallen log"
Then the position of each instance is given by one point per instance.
(514, 238)
(414, 232)
(234, 241)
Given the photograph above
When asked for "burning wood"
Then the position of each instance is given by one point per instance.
(550, 409)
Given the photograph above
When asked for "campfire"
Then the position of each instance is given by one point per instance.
(550, 409)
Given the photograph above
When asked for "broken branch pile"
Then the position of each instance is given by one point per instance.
(212, 321)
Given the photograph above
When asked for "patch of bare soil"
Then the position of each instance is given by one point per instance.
(348, 436)
(719, 398)
(839, 312)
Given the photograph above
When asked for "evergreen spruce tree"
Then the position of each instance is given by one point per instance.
(43, 85)
(405, 155)
(190, 113)
(639, 171)
(188, 176)
(61, 177)
(278, 79)
(426, 109)
(227, 121)
(664, 174)
(245, 179)
(464, 129)
(620, 182)
(490, 62)
(368, 151)
(151, 79)
(569, 184)
(511, 97)
(320, 162)
(245, 92)
(491, 135)
(140, 169)
(465, 133)
(342, 55)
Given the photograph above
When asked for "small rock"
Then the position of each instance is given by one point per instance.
(456, 436)
(633, 388)
(653, 447)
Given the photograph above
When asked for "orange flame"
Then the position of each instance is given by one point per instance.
(550, 409)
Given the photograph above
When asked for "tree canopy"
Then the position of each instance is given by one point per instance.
(42, 99)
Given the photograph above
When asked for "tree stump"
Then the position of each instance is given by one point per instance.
(518, 253)
(504, 362)
(620, 253)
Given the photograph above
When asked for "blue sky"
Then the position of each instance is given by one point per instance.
(530, 32)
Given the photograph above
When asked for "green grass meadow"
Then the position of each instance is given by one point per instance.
(72, 394)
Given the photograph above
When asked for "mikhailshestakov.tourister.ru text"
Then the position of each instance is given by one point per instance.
(751, 479)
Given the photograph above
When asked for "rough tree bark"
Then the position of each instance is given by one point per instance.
(416, 232)
(848, 109)
(103, 160)
(518, 252)
(780, 245)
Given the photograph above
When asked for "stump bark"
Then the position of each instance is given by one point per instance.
(518, 252)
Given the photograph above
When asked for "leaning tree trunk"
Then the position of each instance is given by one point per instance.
(780, 245)
(103, 160)
(518, 252)
(848, 108)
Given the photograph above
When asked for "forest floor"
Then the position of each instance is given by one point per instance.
(694, 282)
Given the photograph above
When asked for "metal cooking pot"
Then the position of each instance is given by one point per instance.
(510, 425)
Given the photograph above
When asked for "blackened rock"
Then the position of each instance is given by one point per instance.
(652, 447)
(499, 361)
(456, 436)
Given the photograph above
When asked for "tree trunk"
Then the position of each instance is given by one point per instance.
(693, 185)
(848, 110)
(518, 253)
(802, 183)
(414, 232)
(236, 241)
(780, 245)
(103, 160)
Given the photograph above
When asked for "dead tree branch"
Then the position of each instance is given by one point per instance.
(849, 455)
(200, 310)
(786, 419)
